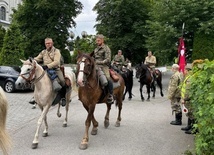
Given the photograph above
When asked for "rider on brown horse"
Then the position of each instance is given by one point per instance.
(102, 56)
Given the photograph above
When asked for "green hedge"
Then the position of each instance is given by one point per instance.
(202, 100)
(203, 46)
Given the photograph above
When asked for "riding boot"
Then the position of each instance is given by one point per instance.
(178, 118)
(189, 125)
(62, 94)
(190, 131)
(110, 99)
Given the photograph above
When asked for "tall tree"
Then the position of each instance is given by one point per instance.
(39, 19)
(13, 47)
(123, 23)
(2, 33)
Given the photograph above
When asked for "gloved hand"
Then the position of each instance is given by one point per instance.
(45, 67)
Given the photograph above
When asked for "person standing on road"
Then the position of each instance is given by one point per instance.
(51, 58)
(102, 56)
(118, 60)
(174, 94)
(185, 99)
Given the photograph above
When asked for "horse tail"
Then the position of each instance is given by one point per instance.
(5, 142)
(74, 82)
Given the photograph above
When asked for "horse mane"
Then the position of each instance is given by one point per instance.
(5, 142)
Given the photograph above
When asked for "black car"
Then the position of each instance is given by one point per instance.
(8, 77)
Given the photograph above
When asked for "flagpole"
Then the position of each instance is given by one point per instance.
(183, 29)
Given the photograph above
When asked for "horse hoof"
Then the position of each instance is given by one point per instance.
(162, 95)
(106, 124)
(130, 99)
(148, 100)
(117, 124)
(34, 145)
(83, 146)
(94, 132)
(143, 100)
(59, 115)
(45, 134)
(64, 125)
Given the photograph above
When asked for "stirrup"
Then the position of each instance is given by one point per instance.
(110, 99)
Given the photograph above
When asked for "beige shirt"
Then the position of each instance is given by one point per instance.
(151, 61)
(50, 58)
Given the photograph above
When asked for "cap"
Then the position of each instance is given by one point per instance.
(188, 66)
(175, 66)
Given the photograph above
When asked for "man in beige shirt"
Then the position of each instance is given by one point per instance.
(150, 60)
(51, 60)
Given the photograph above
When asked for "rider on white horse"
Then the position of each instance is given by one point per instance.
(51, 58)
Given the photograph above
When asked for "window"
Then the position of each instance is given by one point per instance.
(2, 13)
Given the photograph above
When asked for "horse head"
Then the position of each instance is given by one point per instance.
(141, 70)
(85, 67)
(28, 70)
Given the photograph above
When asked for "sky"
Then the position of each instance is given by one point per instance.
(87, 19)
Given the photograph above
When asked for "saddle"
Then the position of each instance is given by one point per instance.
(114, 75)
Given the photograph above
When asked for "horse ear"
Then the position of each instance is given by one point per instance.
(31, 59)
(22, 60)
(92, 54)
(79, 52)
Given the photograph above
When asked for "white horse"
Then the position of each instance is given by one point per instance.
(5, 142)
(44, 94)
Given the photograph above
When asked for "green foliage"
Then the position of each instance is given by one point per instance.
(13, 46)
(66, 56)
(85, 45)
(203, 46)
(166, 20)
(2, 34)
(202, 99)
(38, 19)
(123, 23)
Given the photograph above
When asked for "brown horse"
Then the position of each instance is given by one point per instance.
(90, 93)
(5, 142)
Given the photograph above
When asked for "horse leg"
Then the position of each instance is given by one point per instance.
(154, 90)
(141, 92)
(160, 86)
(119, 103)
(95, 126)
(148, 92)
(39, 123)
(66, 109)
(84, 142)
(125, 93)
(45, 132)
(58, 111)
(106, 121)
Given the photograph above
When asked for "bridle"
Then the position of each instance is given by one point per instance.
(31, 73)
(86, 72)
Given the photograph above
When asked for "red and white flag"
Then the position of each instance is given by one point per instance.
(181, 54)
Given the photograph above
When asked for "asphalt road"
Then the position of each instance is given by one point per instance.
(145, 128)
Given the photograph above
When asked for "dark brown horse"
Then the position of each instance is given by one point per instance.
(146, 78)
(90, 93)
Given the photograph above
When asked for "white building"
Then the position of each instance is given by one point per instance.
(6, 9)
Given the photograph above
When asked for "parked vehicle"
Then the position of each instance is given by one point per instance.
(8, 77)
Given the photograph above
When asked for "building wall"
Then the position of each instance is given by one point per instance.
(6, 9)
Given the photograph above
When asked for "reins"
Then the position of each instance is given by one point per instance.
(30, 79)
